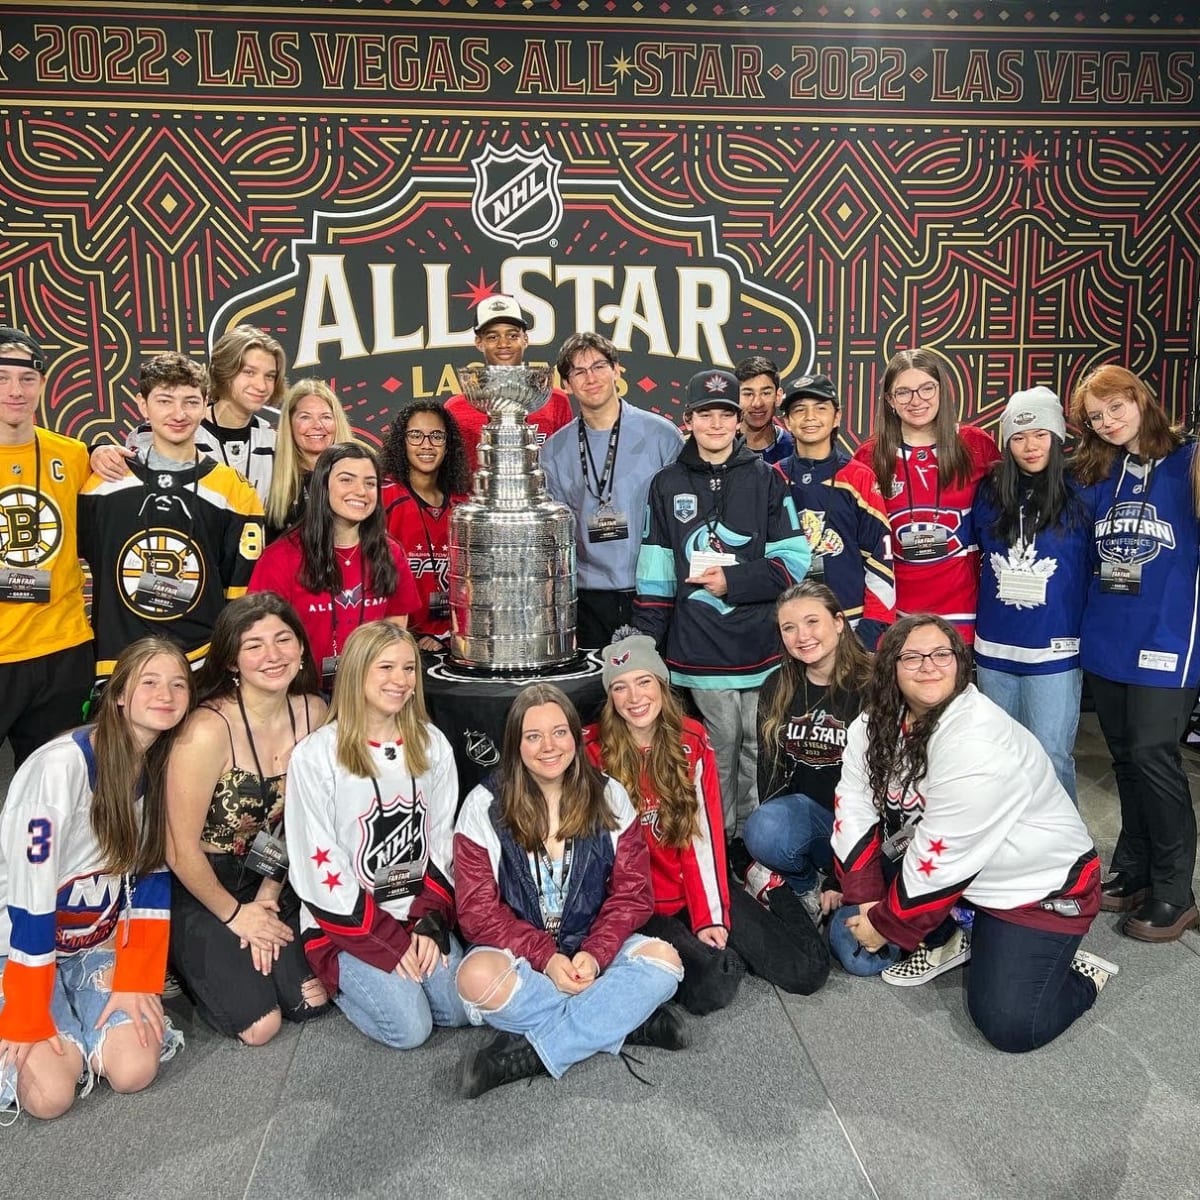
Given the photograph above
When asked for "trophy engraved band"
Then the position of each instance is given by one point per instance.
(512, 548)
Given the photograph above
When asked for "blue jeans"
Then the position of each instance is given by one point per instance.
(1048, 706)
(390, 1008)
(567, 1029)
(1021, 991)
(844, 946)
(790, 834)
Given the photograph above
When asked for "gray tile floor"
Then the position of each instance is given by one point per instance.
(860, 1091)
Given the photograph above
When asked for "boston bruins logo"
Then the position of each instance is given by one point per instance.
(161, 574)
(30, 533)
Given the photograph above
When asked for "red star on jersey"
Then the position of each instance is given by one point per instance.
(331, 880)
(937, 846)
(837, 825)
(321, 857)
(927, 867)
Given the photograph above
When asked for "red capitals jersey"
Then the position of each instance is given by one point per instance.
(947, 582)
(548, 419)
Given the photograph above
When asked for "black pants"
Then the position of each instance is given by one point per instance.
(1142, 726)
(598, 614)
(781, 946)
(43, 697)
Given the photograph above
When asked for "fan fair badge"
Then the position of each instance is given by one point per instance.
(702, 560)
(439, 605)
(268, 856)
(816, 567)
(164, 595)
(924, 545)
(1022, 587)
(1121, 579)
(398, 881)
(895, 846)
(329, 666)
(19, 586)
(607, 525)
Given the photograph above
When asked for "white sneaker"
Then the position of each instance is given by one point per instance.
(924, 964)
(760, 880)
(1092, 966)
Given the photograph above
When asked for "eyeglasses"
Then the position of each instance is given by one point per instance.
(507, 337)
(602, 367)
(435, 437)
(926, 391)
(1112, 412)
(913, 660)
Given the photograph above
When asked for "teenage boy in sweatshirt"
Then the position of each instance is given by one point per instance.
(721, 541)
(174, 539)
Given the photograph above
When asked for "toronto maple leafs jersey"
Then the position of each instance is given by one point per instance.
(57, 897)
(989, 822)
(350, 840)
(740, 508)
(1020, 632)
(1144, 517)
(948, 583)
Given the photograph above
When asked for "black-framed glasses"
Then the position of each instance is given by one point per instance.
(435, 437)
(913, 660)
(926, 391)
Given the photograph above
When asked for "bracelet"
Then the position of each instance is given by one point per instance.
(233, 915)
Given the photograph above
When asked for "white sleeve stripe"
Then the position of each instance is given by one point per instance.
(32, 960)
(705, 859)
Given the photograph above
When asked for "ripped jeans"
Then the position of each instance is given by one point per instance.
(566, 1029)
(82, 986)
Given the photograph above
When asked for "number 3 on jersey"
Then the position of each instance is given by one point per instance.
(39, 840)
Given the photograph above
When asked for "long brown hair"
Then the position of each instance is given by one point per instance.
(128, 843)
(954, 463)
(898, 757)
(851, 666)
(582, 808)
(348, 707)
(1094, 457)
(665, 766)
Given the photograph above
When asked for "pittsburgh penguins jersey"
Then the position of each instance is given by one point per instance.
(250, 450)
(57, 896)
(39, 487)
(368, 857)
(945, 578)
(424, 533)
(167, 550)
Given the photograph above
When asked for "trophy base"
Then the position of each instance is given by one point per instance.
(576, 664)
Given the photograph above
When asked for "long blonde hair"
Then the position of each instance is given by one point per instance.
(287, 475)
(582, 807)
(665, 766)
(349, 704)
(123, 770)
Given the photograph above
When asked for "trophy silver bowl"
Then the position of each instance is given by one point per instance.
(512, 548)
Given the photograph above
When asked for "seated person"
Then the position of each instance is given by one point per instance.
(234, 919)
(665, 763)
(371, 802)
(945, 797)
(339, 568)
(803, 714)
(83, 966)
(553, 882)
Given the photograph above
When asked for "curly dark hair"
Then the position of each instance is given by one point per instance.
(898, 756)
(454, 476)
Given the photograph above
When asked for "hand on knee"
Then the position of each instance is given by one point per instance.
(481, 979)
(263, 1030)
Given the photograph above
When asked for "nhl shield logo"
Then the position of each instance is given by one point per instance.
(516, 196)
(685, 507)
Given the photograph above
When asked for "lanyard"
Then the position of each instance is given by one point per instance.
(379, 794)
(713, 518)
(421, 507)
(262, 781)
(560, 888)
(1137, 529)
(605, 481)
(195, 498)
(362, 599)
(937, 501)
(37, 494)
(217, 427)
(819, 541)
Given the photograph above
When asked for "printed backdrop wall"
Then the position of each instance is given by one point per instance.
(1014, 184)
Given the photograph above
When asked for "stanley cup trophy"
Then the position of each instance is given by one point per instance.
(512, 548)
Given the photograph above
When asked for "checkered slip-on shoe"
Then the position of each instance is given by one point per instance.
(1092, 966)
(924, 964)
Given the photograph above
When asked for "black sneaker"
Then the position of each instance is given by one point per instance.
(505, 1059)
(664, 1028)
(738, 858)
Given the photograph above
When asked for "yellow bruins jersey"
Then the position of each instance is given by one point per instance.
(41, 581)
